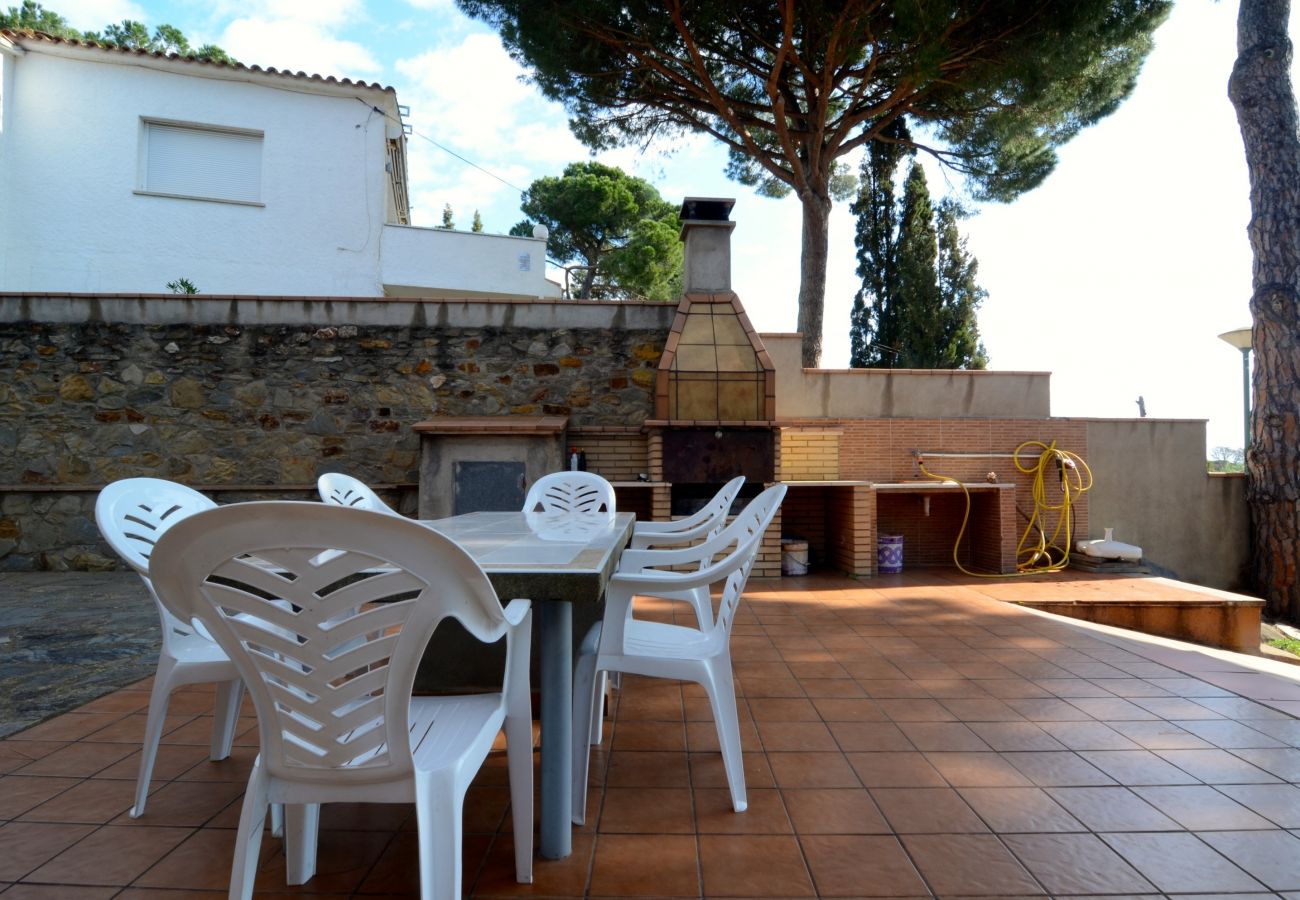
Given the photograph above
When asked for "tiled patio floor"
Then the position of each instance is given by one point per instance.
(905, 737)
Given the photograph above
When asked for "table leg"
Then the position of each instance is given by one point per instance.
(556, 668)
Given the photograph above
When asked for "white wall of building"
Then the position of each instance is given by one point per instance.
(463, 263)
(72, 220)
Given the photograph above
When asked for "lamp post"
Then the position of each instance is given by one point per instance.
(1240, 339)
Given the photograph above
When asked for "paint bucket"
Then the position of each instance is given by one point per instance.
(794, 557)
(889, 554)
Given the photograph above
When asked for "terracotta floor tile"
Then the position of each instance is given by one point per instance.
(771, 709)
(646, 865)
(831, 687)
(1023, 810)
(1228, 734)
(861, 866)
(926, 811)
(642, 735)
(981, 709)
(118, 702)
(766, 813)
(1051, 768)
(1201, 808)
(1286, 730)
(91, 802)
(1180, 862)
(343, 860)
(25, 846)
(916, 710)
(647, 811)
(1072, 687)
(702, 737)
(551, 877)
(19, 793)
(834, 811)
(773, 686)
(1134, 767)
(1272, 857)
(485, 809)
(972, 864)
(977, 770)
(201, 862)
(789, 736)
(397, 871)
(1282, 762)
(1111, 809)
(812, 770)
(1279, 803)
(181, 803)
(234, 767)
(59, 892)
(889, 769)
(806, 670)
(707, 771)
(1012, 736)
(861, 736)
(657, 702)
(1216, 766)
(16, 755)
(1088, 736)
(1049, 709)
(631, 768)
(1160, 735)
(941, 736)
(943, 688)
(68, 727)
(750, 866)
(839, 709)
(112, 855)
(1240, 708)
(129, 729)
(1014, 688)
(1076, 864)
(77, 760)
(892, 688)
(168, 764)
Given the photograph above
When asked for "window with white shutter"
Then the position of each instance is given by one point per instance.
(201, 163)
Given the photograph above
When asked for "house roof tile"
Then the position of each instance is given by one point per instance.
(23, 37)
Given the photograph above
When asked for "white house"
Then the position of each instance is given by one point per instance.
(122, 170)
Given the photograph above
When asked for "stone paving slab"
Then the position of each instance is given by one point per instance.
(69, 637)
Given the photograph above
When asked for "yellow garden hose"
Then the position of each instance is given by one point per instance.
(1037, 553)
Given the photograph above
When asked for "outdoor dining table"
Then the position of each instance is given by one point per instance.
(555, 560)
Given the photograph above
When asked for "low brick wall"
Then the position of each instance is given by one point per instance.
(258, 396)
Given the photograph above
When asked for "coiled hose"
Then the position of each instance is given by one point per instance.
(1036, 552)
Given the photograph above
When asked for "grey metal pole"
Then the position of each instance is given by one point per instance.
(1245, 397)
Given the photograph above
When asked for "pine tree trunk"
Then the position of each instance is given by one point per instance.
(812, 274)
(1261, 92)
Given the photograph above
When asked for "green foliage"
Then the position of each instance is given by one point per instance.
(129, 33)
(916, 308)
(448, 217)
(615, 226)
(182, 286)
(1226, 459)
(1287, 644)
(31, 16)
(477, 225)
(790, 88)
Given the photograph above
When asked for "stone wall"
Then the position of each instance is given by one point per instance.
(242, 405)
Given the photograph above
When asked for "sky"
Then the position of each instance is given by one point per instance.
(1116, 275)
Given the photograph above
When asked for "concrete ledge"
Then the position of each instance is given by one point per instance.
(1230, 622)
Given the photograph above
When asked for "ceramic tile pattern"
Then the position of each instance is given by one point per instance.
(904, 737)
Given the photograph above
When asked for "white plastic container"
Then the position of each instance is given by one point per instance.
(794, 557)
(1109, 548)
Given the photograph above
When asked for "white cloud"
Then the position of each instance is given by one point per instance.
(296, 46)
(433, 5)
(93, 15)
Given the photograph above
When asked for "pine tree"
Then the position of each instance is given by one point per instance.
(916, 308)
(448, 217)
(477, 224)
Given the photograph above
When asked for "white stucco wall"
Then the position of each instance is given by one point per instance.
(463, 264)
(71, 221)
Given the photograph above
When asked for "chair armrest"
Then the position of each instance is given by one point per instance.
(519, 637)
(516, 610)
(642, 540)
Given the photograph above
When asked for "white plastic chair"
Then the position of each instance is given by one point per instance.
(623, 643)
(344, 490)
(331, 675)
(570, 492)
(704, 524)
(132, 515)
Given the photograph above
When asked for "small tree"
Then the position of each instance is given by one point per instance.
(477, 225)
(1227, 459)
(31, 16)
(448, 217)
(129, 33)
(615, 225)
(917, 304)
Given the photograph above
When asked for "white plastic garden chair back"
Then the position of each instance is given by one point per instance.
(344, 490)
(132, 515)
(704, 524)
(623, 643)
(326, 611)
(570, 492)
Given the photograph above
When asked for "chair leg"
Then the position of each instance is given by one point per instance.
(301, 830)
(596, 730)
(248, 841)
(438, 814)
(159, 697)
(722, 697)
(584, 704)
(226, 716)
(519, 760)
(702, 602)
